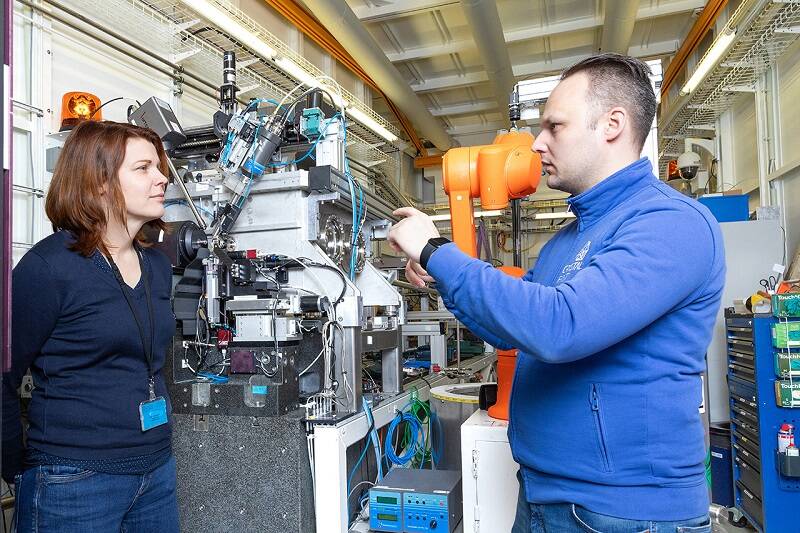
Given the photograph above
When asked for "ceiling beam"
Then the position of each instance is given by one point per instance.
(587, 23)
(464, 109)
(428, 161)
(398, 8)
(538, 68)
(483, 127)
(450, 82)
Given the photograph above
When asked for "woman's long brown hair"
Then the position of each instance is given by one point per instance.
(88, 164)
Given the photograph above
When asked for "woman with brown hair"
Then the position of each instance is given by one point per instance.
(92, 320)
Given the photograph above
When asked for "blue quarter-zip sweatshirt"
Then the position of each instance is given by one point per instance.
(612, 326)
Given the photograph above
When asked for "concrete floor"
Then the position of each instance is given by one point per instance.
(728, 528)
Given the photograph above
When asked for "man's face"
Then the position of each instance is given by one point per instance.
(567, 143)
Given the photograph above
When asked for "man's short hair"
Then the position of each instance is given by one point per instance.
(617, 80)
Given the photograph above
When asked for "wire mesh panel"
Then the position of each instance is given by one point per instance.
(756, 49)
(176, 33)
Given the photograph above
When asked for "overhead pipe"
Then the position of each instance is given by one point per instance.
(487, 32)
(620, 18)
(340, 20)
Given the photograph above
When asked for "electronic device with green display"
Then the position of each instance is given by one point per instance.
(416, 501)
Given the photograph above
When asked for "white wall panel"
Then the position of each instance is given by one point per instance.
(791, 206)
(80, 64)
(745, 154)
(789, 91)
(789, 120)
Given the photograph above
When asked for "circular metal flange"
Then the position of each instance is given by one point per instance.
(331, 239)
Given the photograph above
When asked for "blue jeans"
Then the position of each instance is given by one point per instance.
(571, 518)
(66, 499)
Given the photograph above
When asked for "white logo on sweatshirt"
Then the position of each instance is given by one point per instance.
(585, 250)
(576, 265)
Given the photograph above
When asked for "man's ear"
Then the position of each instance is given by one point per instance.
(615, 124)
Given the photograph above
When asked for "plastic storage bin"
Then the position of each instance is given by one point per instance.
(728, 208)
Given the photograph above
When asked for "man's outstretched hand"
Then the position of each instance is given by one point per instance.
(409, 236)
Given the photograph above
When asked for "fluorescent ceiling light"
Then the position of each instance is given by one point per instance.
(371, 124)
(554, 216)
(717, 50)
(477, 214)
(295, 70)
(298, 72)
(232, 27)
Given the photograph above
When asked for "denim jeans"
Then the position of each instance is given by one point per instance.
(66, 499)
(571, 518)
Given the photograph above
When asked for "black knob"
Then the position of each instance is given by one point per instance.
(434, 524)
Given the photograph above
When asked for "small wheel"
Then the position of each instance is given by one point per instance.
(736, 518)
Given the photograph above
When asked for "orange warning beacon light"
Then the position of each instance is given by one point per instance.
(505, 170)
(78, 106)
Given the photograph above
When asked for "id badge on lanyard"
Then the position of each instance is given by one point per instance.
(153, 411)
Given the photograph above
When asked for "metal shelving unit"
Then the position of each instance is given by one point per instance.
(764, 30)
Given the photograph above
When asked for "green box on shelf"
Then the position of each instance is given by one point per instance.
(786, 305)
(786, 335)
(787, 393)
(786, 361)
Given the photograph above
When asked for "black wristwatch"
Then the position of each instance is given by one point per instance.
(430, 247)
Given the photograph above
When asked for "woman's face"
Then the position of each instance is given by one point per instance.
(141, 182)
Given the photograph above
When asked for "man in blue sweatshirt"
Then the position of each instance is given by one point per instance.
(612, 323)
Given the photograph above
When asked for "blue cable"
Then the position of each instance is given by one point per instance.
(169, 203)
(360, 458)
(252, 178)
(356, 229)
(373, 436)
(416, 429)
(213, 377)
(259, 100)
(357, 210)
(252, 157)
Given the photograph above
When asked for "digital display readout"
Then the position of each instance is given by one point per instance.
(386, 499)
(389, 517)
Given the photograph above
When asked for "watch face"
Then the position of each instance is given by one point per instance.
(439, 241)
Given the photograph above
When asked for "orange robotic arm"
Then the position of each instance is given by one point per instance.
(496, 173)
(505, 170)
